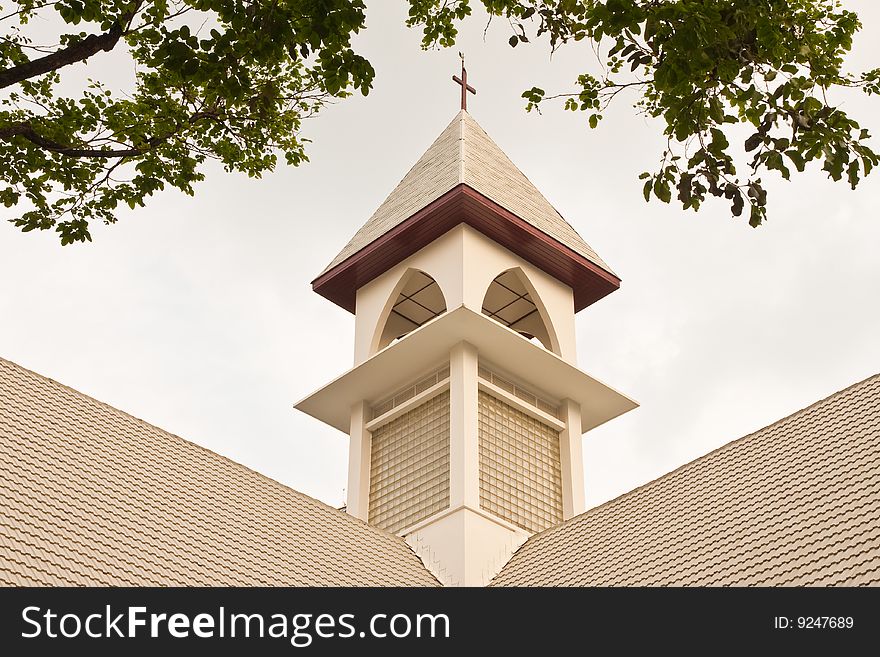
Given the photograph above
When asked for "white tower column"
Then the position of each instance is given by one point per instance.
(464, 454)
(571, 459)
(358, 493)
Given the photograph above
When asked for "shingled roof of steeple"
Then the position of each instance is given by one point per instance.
(465, 178)
(465, 154)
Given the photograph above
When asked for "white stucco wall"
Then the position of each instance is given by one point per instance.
(464, 262)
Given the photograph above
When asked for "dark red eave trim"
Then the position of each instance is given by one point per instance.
(463, 204)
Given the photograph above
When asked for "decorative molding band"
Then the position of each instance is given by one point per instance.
(520, 405)
(449, 511)
(408, 405)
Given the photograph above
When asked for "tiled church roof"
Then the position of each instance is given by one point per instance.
(92, 496)
(795, 503)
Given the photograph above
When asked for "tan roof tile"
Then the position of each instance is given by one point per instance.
(794, 504)
(464, 153)
(92, 496)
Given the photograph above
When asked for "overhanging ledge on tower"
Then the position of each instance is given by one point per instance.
(464, 177)
(393, 366)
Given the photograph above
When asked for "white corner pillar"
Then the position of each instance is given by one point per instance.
(358, 500)
(464, 454)
(571, 460)
(464, 545)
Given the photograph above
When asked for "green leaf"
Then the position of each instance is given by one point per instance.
(853, 173)
(696, 158)
(719, 142)
(754, 141)
(756, 216)
(662, 190)
(685, 190)
(774, 161)
(796, 158)
(736, 207)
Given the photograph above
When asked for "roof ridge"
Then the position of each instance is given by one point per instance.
(261, 475)
(462, 144)
(716, 450)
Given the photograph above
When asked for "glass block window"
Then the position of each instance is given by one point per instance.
(409, 466)
(520, 474)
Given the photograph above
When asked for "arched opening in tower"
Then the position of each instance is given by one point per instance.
(509, 302)
(420, 300)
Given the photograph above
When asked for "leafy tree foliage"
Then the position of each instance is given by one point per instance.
(232, 80)
(705, 68)
(234, 88)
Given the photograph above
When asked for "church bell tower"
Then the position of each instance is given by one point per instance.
(465, 407)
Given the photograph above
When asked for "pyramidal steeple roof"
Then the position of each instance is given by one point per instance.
(465, 154)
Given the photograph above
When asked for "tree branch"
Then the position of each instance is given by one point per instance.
(72, 54)
(26, 130)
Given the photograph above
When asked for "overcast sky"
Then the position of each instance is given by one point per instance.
(196, 314)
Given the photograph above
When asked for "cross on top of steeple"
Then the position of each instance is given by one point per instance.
(465, 87)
